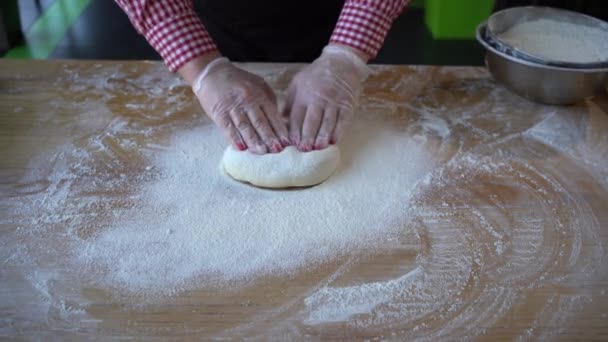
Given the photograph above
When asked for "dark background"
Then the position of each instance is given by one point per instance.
(103, 31)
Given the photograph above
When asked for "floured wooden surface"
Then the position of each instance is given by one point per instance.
(461, 211)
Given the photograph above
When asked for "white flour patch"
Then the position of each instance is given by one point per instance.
(196, 223)
(340, 304)
(559, 41)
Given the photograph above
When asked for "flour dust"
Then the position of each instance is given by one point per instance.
(195, 223)
(482, 207)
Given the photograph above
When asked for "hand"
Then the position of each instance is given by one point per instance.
(243, 105)
(321, 98)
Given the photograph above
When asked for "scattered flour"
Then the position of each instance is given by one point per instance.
(197, 223)
(340, 304)
(120, 210)
(580, 133)
(559, 41)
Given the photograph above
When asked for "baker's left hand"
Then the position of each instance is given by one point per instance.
(322, 97)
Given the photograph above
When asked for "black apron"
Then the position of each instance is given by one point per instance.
(270, 30)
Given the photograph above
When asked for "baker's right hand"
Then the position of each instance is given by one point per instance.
(243, 105)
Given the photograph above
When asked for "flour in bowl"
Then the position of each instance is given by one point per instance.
(559, 41)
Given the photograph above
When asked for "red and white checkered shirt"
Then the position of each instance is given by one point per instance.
(175, 31)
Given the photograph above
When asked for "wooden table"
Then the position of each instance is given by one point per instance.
(506, 238)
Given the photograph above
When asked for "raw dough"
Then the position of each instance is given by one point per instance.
(290, 168)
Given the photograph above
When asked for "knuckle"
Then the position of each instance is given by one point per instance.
(281, 131)
(294, 125)
(293, 130)
(239, 96)
(345, 115)
(225, 123)
(315, 115)
(245, 92)
(294, 135)
(329, 119)
(258, 123)
(243, 126)
(322, 135)
(226, 127)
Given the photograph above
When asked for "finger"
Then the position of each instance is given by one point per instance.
(310, 127)
(286, 110)
(328, 125)
(260, 123)
(296, 117)
(225, 123)
(276, 122)
(344, 119)
(247, 132)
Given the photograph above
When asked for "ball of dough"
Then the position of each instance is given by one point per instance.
(289, 168)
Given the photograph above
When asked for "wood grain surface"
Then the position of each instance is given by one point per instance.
(504, 239)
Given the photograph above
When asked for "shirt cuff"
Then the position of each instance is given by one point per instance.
(362, 28)
(179, 39)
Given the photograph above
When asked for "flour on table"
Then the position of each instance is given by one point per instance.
(289, 168)
(195, 225)
(559, 41)
(467, 209)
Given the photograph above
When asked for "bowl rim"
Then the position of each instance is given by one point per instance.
(483, 26)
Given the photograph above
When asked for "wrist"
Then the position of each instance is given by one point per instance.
(362, 55)
(349, 56)
(195, 67)
(215, 64)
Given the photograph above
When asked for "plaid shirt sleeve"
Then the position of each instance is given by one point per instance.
(171, 27)
(175, 31)
(363, 24)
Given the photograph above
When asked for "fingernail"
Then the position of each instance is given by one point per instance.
(258, 149)
(241, 146)
(285, 141)
(276, 147)
(304, 147)
(295, 141)
(332, 141)
(321, 143)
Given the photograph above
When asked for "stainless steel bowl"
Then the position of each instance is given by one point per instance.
(542, 83)
(504, 20)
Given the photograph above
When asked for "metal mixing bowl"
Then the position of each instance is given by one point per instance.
(542, 83)
(504, 20)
